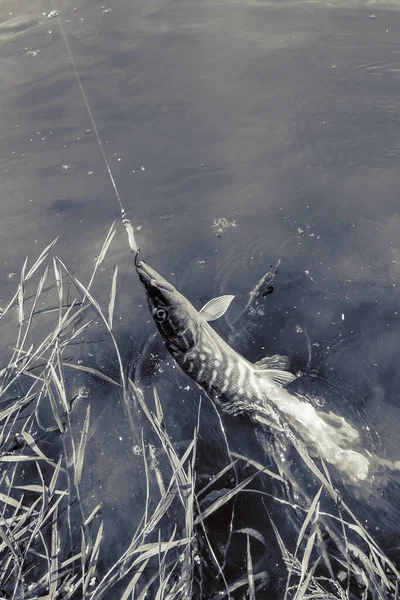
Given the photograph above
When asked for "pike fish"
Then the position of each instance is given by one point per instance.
(238, 386)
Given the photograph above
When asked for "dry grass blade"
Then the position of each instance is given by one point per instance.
(13, 548)
(95, 305)
(81, 449)
(307, 519)
(159, 410)
(106, 245)
(224, 499)
(161, 569)
(304, 586)
(242, 582)
(258, 466)
(79, 331)
(60, 388)
(55, 409)
(93, 372)
(10, 501)
(21, 295)
(373, 545)
(101, 255)
(53, 583)
(216, 477)
(310, 544)
(250, 573)
(148, 550)
(54, 477)
(130, 589)
(254, 533)
(92, 515)
(33, 445)
(94, 556)
(42, 257)
(284, 551)
(57, 277)
(168, 446)
(113, 293)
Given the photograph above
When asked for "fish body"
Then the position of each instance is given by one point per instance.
(238, 386)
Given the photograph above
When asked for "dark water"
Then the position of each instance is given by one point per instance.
(281, 118)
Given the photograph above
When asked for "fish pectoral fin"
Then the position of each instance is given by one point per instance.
(215, 308)
(213, 342)
(277, 361)
(275, 375)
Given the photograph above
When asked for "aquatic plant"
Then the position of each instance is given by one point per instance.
(52, 547)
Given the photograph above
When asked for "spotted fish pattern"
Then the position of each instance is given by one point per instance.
(238, 386)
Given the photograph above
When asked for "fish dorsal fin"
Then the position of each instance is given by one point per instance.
(277, 361)
(215, 308)
(275, 375)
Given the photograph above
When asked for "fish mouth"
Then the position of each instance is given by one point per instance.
(146, 274)
(152, 280)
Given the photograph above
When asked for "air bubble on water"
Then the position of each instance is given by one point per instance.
(299, 329)
(52, 14)
(90, 172)
(11, 275)
(221, 225)
(105, 10)
(30, 52)
(142, 168)
(83, 392)
(201, 263)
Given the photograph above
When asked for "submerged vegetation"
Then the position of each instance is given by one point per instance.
(52, 546)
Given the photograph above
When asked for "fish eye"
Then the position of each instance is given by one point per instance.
(160, 314)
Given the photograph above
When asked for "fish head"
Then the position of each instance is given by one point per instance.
(176, 318)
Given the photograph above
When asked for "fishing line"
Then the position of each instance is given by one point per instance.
(125, 221)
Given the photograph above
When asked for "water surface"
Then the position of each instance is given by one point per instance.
(281, 118)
